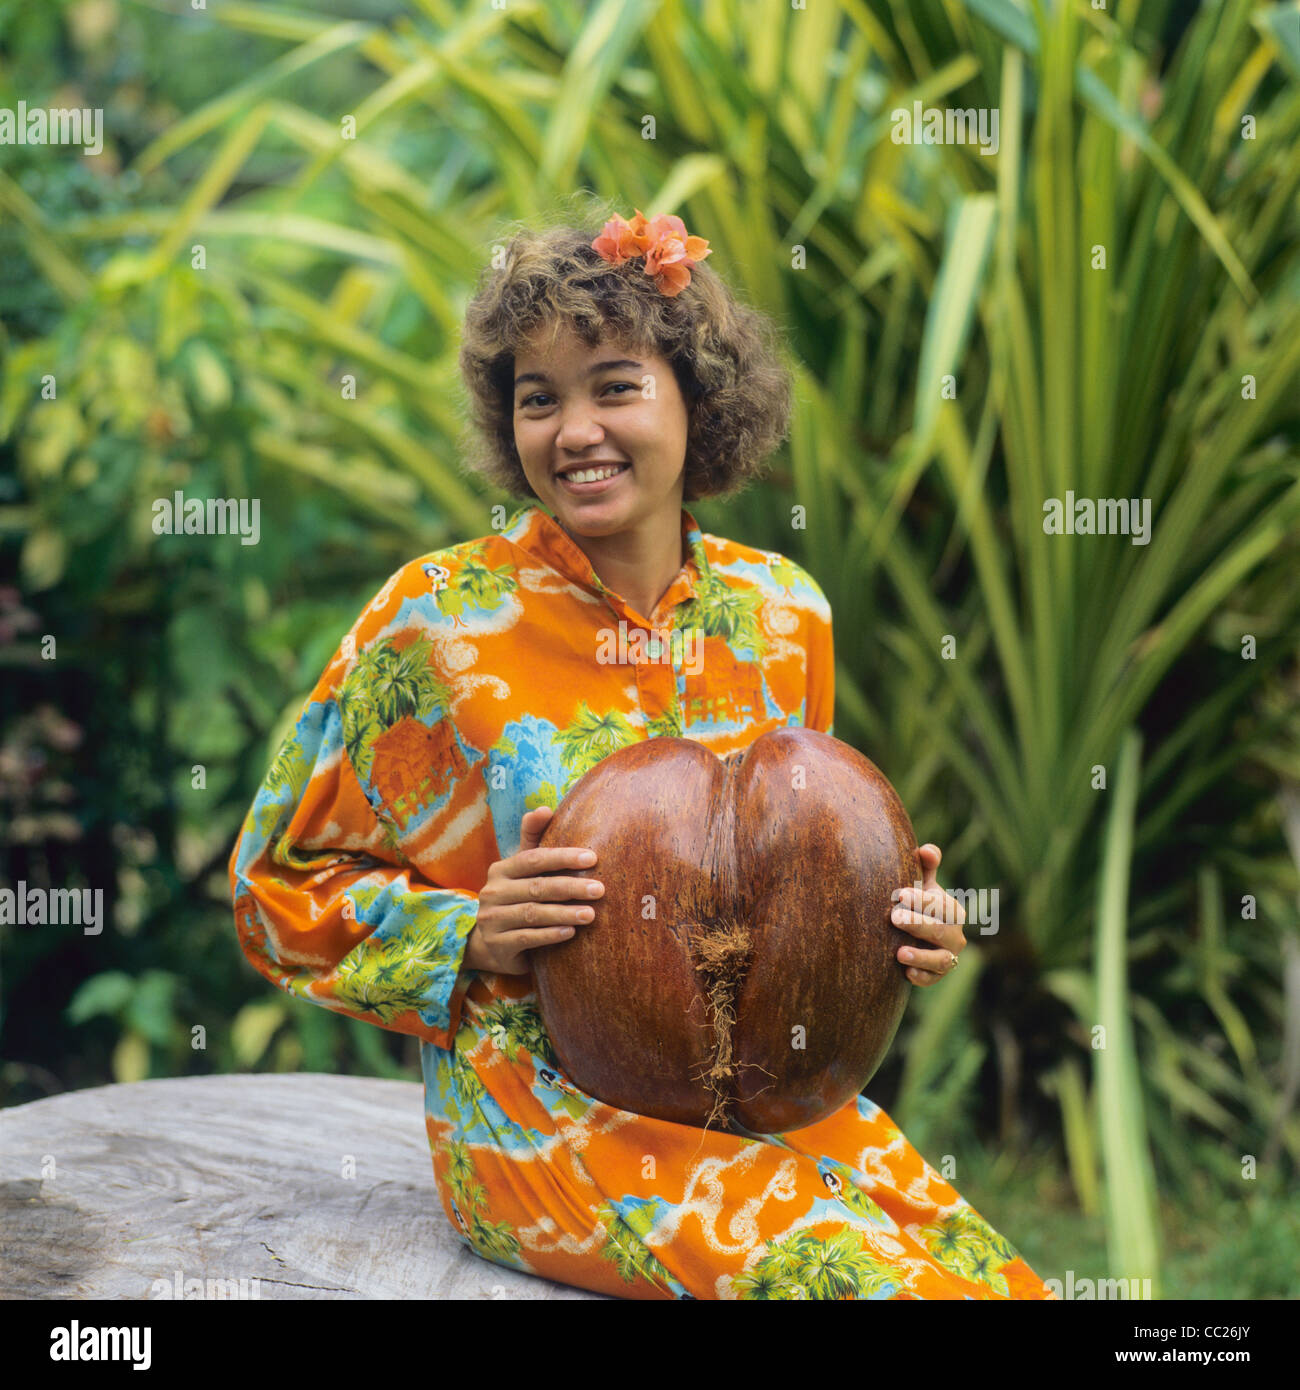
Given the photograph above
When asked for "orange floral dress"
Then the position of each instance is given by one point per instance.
(468, 692)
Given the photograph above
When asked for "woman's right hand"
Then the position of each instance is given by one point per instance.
(519, 908)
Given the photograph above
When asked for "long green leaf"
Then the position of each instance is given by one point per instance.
(1132, 1224)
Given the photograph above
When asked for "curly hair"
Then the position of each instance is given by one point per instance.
(725, 356)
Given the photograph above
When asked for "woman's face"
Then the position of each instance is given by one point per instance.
(576, 406)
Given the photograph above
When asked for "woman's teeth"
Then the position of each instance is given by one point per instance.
(592, 475)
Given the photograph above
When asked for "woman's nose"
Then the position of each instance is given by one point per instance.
(579, 427)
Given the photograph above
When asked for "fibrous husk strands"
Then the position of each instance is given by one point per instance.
(721, 955)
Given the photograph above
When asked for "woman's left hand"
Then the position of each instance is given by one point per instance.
(934, 917)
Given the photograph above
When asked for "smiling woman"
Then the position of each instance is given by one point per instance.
(604, 448)
(391, 866)
(611, 402)
(723, 357)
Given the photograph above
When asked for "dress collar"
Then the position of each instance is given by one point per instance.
(536, 531)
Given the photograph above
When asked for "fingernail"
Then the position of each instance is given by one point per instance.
(908, 955)
(586, 857)
(893, 897)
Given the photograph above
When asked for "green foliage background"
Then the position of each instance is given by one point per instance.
(893, 268)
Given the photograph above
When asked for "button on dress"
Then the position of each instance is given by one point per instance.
(482, 681)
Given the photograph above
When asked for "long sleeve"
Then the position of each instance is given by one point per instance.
(820, 713)
(328, 903)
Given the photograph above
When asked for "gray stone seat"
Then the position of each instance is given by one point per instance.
(228, 1178)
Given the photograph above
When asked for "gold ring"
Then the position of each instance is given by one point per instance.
(952, 958)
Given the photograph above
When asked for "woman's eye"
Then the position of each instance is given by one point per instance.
(543, 395)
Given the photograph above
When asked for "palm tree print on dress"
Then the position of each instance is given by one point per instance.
(667, 725)
(516, 1024)
(482, 586)
(805, 1267)
(387, 700)
(289, 773)
(726, 624)
(590, 737)
(493, 1240)
(966, 1244)
(392, 976)
(477, 583)
(628, 1251)
(466, 1082)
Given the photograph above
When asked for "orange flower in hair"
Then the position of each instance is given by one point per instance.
(669, 250)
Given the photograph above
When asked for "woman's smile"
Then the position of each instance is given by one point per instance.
(588, 482)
